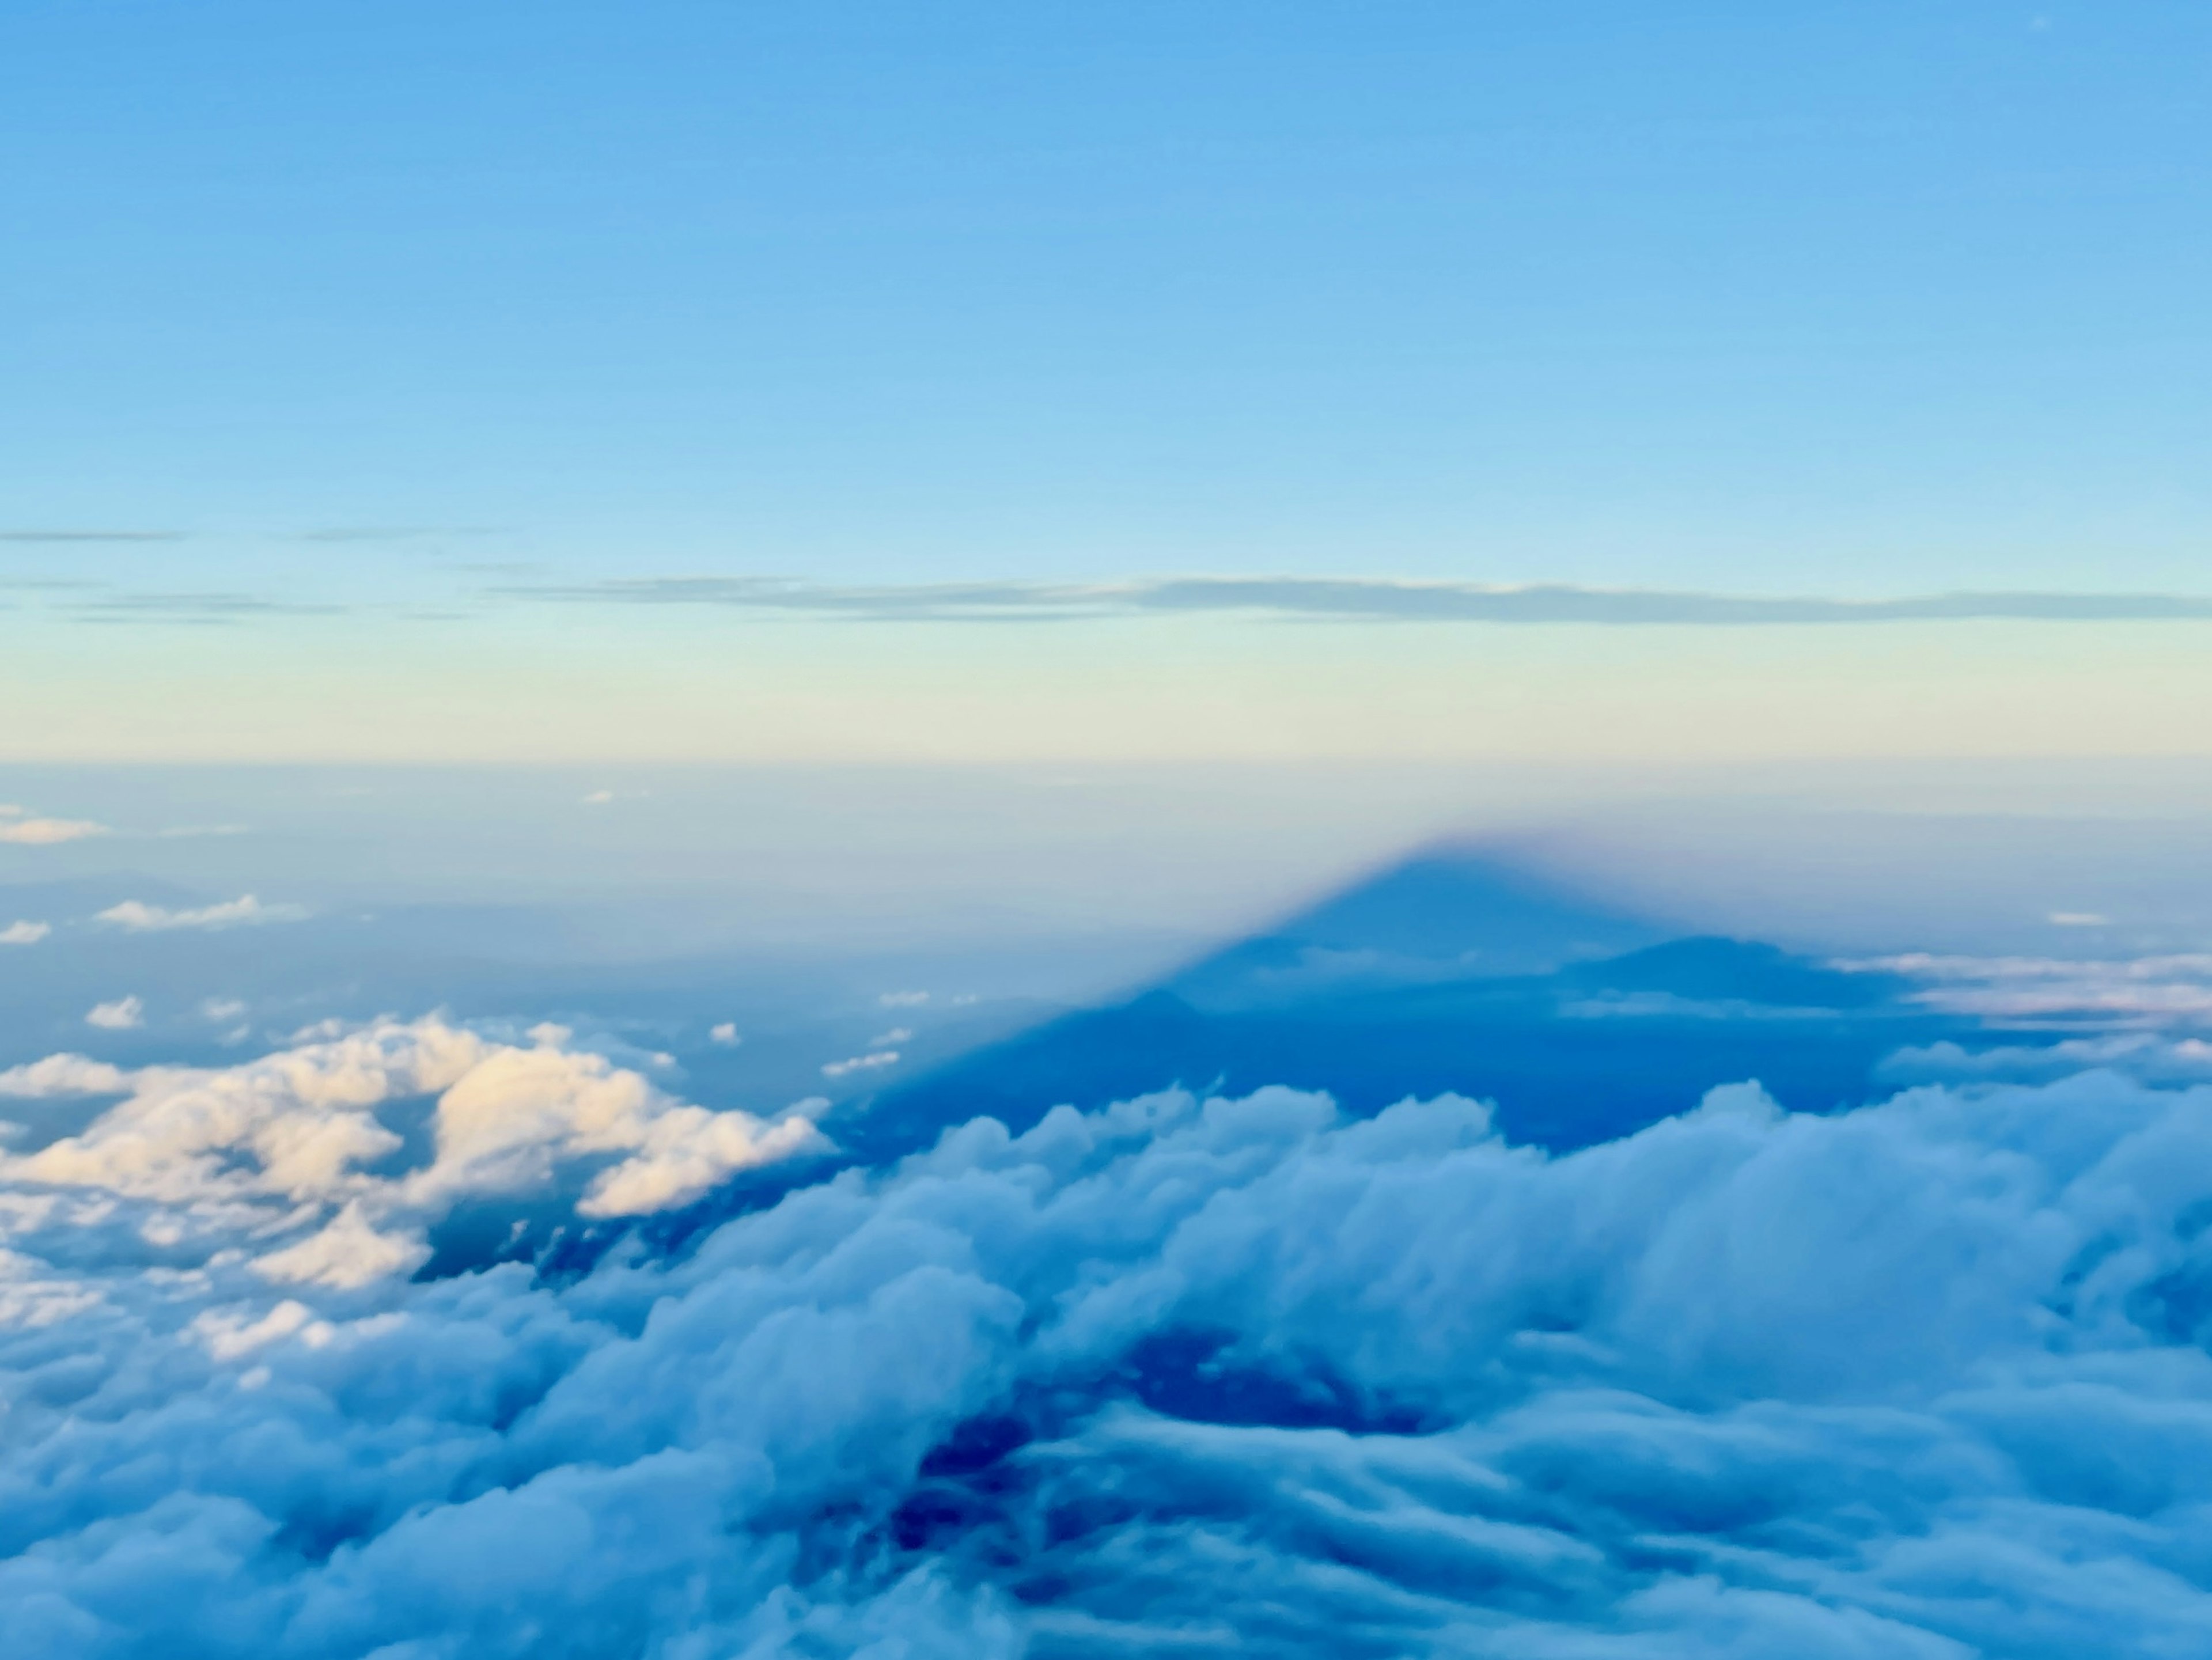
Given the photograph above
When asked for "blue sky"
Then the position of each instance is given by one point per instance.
(382, 322)
(1841, 298)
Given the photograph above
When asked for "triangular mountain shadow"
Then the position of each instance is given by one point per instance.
(1450, 913)
(1454, 972)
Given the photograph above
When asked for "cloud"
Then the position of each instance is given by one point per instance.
(1925, 1380)
(599, 798)
(72, 536)
(45, 832)
(24, 934)
(1352, 600)
(199, 608)
(890, 1039)
(2079, 919)
(726, 1034)
(386, 532)
(2149, 1056)
(860, 1063)
(285, 1145)
(63, 1075)
(2144, 991)
(139, 917)
(902, 1000)
(121, 1015)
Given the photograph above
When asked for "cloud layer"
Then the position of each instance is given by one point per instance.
(1180, 1376)
(1352, 599)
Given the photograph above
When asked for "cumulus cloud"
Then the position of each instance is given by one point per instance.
(64, 1075)
(1182, 1376)
(290, 1141)
(726, 1034)
(139, 917)
(121, 1015)
(27, 831)
(24, 934)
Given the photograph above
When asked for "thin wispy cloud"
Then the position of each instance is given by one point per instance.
(1353, 599)
(860, 1063)
(2169, 990)
(391, 533)
(138, 917)
(24, 934)
(201, 607)
(24, 829)
(69, 535)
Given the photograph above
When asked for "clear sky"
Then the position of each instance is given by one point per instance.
(422, 345)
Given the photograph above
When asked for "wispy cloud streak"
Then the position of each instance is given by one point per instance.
(91, 536)
(1352, 599)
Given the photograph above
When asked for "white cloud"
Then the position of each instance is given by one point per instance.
(892, 1038)
(296, 1130)
(860, 1063)
(121, 1015)
(348, 1253)
(903, 1000)
(2141, 992)
(222, 1008)
(45, 832)
(64, 1075)
(599, 798)
(24, 934)
(2149, 1056)
(2079, 919)
(1925, 1381)
(726, 1034)
(139, 917)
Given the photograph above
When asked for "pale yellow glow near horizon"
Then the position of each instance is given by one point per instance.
(702, 687)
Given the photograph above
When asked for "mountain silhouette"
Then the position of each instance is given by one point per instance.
(1451, 972)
